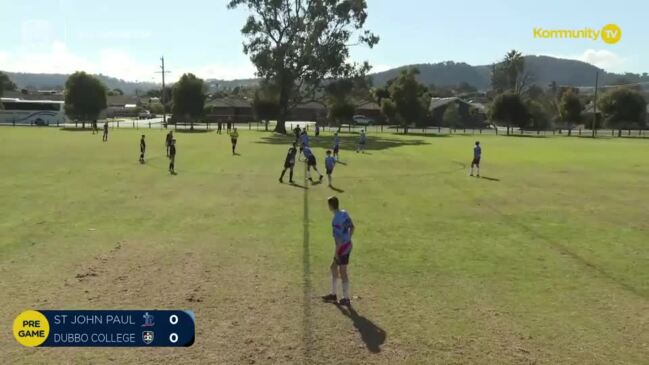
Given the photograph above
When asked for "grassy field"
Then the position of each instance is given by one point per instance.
(544, 261)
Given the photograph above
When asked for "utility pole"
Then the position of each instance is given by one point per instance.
(595, 105)
(162, 95)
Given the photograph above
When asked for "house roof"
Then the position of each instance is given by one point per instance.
(439, 102)
(229, 103)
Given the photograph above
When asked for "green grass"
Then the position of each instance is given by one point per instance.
(546, 262)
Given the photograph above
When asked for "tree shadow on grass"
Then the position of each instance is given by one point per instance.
(191, 131)
(525, 135)
(373, 335)
(79, 129)
(374, 142)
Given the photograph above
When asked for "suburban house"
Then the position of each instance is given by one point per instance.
(473, 115)
(240, 110)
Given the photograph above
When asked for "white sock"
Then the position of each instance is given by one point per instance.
(346, 289)
(334, 282)
(308, 174)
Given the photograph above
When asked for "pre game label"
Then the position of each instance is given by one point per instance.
(105, 328)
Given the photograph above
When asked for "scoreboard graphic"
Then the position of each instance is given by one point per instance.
(105, 328)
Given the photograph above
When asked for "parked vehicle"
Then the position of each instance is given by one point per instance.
(362, 120)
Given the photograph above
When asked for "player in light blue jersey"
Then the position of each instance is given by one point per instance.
(477, 154)
(343, 229)
(362, 140)
(336, 146)
(330, 163)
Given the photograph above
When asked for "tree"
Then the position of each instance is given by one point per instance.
(510, 74)
(188, 98)
(338, 98)
(570, 109)
(156, 108)
(508, 108)
(380, 93)
(411, 98)
(85, 97)
(452, 118)
(118, 91)
(298, 44)
(624, 108)
(6, 84)
(389, 111)
(540, 118)
(465, 88)
(265, 103)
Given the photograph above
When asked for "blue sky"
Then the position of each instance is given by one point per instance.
(126, 38)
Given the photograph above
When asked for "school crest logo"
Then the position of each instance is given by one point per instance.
(147, 337)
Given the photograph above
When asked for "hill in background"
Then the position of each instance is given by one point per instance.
(544, 70)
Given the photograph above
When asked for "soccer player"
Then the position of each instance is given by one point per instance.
(142, 149)
(289, 163)
(477, 153)
(330, 162)
(343, 229)
(297, 131)
(310, 162)
(172, 157)
(94, 127)
(234, 135)
(105, 136)
(362, 139)
(304, 141)
(168, 139)
(336, 146)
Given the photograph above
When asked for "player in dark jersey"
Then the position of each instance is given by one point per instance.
(343, 229)
(104, 137)
(311, 163)
(168, 139)
(477, 154)
(142, 149)
(289, 163)
(172, 157)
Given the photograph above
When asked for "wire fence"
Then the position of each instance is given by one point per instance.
(349, 128)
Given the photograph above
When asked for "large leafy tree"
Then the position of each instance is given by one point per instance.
(624, 108)
(389, 111)
(410, 98)
(265, 103)
(85, 97)
(338, 97)
(509, 109)
(188, 98)
(570, 109)
(300, 43)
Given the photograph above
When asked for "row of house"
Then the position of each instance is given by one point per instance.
(240, 110)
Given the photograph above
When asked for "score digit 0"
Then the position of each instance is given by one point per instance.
(173, 319)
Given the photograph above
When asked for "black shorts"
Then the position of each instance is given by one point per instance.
(476, 161)
(336, 149)
(342, 260)
(233, 140)
(288, 165)
(329, 171)
(311, 161)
